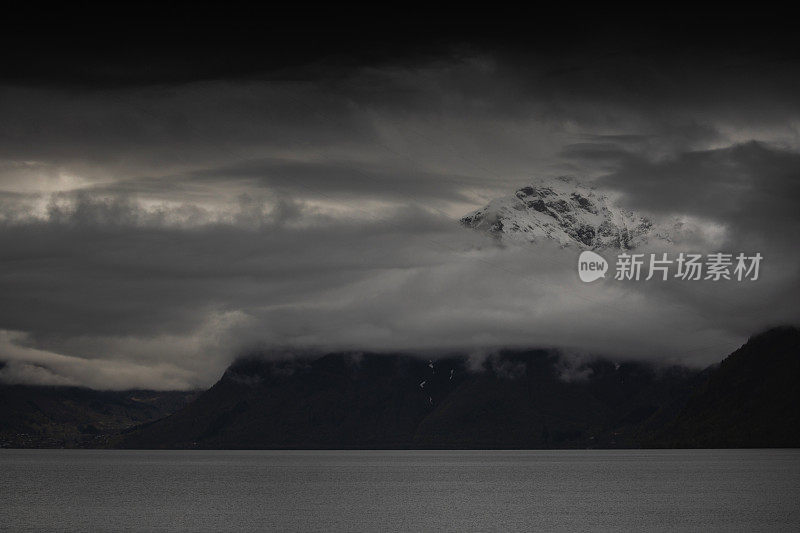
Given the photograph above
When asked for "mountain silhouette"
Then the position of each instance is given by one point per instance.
(536, 399)
(750, 400)
(514, 399)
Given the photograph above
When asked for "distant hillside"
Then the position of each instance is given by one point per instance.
(751, 400)
(56, 417)
(516, 400)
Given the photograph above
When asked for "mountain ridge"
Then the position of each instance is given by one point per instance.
(530, 399)
(515, 399)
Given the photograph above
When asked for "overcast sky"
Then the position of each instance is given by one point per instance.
(155, 222)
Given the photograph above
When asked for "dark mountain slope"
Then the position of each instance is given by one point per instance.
(335, 401)
(515, 400)
(522, 399)
(751, 400)
(534, 406)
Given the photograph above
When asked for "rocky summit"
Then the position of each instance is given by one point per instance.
(567, 212)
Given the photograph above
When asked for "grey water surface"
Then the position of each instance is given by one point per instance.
(642, 490)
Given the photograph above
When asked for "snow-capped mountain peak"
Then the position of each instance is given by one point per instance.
(565, 211)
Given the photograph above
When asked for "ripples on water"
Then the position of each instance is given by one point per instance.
(399, 490)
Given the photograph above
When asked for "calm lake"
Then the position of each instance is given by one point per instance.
(722, 490)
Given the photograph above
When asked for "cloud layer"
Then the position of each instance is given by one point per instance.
(150, 233)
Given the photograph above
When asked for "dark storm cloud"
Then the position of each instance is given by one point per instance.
(753, 188)
(129, 274)
(157, 216)
(189, 125)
